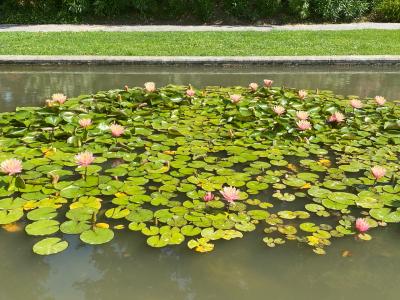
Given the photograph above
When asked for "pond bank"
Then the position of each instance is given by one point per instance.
(201, 60)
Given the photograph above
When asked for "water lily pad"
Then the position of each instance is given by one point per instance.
(309, 227)
(74, 227)
(97, 236)
(10, 216)
(42, 227)
(343, 198)
(140, 215)
(49, 246)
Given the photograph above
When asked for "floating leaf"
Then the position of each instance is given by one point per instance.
(42, 227)
(97, 236)
(49, 246)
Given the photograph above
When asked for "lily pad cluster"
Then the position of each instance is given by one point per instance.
(160, 163)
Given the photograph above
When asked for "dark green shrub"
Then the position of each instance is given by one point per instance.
(203, 9)
(388, 10)
(299, 8)
(251, 10)
(268, 8)
(339, 10)
(192, 11)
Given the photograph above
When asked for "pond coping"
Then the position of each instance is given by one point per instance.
(201, 60)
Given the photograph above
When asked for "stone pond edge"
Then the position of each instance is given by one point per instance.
(202, 60)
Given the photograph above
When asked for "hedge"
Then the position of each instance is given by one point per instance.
(196, 11)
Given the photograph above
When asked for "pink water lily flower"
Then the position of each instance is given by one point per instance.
(355, 103)
(268, 83)
(85, 123)
(303, 125)
(302, 94)
(235, 98)
(84, 159)
(380, 100)
(60, 98)
(117, 130)
(150, 87)
(230, 194)
(190, 93)
(378, 172)
(208, 196)
(253, 86)
(11, 166)
(362, 225)
(279, 110)
(337, 117)
(49, 102)
(302, 115)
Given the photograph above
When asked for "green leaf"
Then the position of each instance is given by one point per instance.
(49, 246)
(97, 236)
(42, 227)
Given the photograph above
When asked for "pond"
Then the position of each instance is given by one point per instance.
(240, 268)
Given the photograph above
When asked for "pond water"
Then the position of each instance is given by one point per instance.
(239, 269)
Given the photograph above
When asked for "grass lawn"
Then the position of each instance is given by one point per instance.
(355, 42)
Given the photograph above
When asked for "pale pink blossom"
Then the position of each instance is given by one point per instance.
(150, 87)
(60, 98)
(302, 115)
(303, 125)
(355, 103)
(380, 100)
(85, 123)
(11, 166)
(279, 110)
(268, 83)
(302, 94)
(84, 159)
(230, 194)
(126, 88)
(362, 225)
(190, 93)
(235, 98)
(253, 86)
(117, 130)
(337, 117)
(208, 196)
(378, 172)
(50, 103)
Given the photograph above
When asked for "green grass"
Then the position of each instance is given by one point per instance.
(355, 42)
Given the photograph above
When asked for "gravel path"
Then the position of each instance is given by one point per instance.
(154, 28)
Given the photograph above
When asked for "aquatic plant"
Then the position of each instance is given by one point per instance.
(362, 225)
(235, 98)
(230, 194)
(85, 123)
(11, 166)
(208, 196)
(302, 115)
(192, 168)
(117, 130)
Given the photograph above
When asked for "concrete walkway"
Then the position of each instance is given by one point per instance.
(203, 60)
(154, 28)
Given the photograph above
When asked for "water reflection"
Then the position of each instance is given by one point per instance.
(240, 269)
(30, 85)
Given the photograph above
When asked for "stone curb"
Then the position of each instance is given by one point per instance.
(166, 28)
(202, 60)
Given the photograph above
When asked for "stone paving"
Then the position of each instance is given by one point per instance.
(165, 28)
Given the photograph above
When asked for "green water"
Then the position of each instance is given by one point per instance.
(239, 269)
